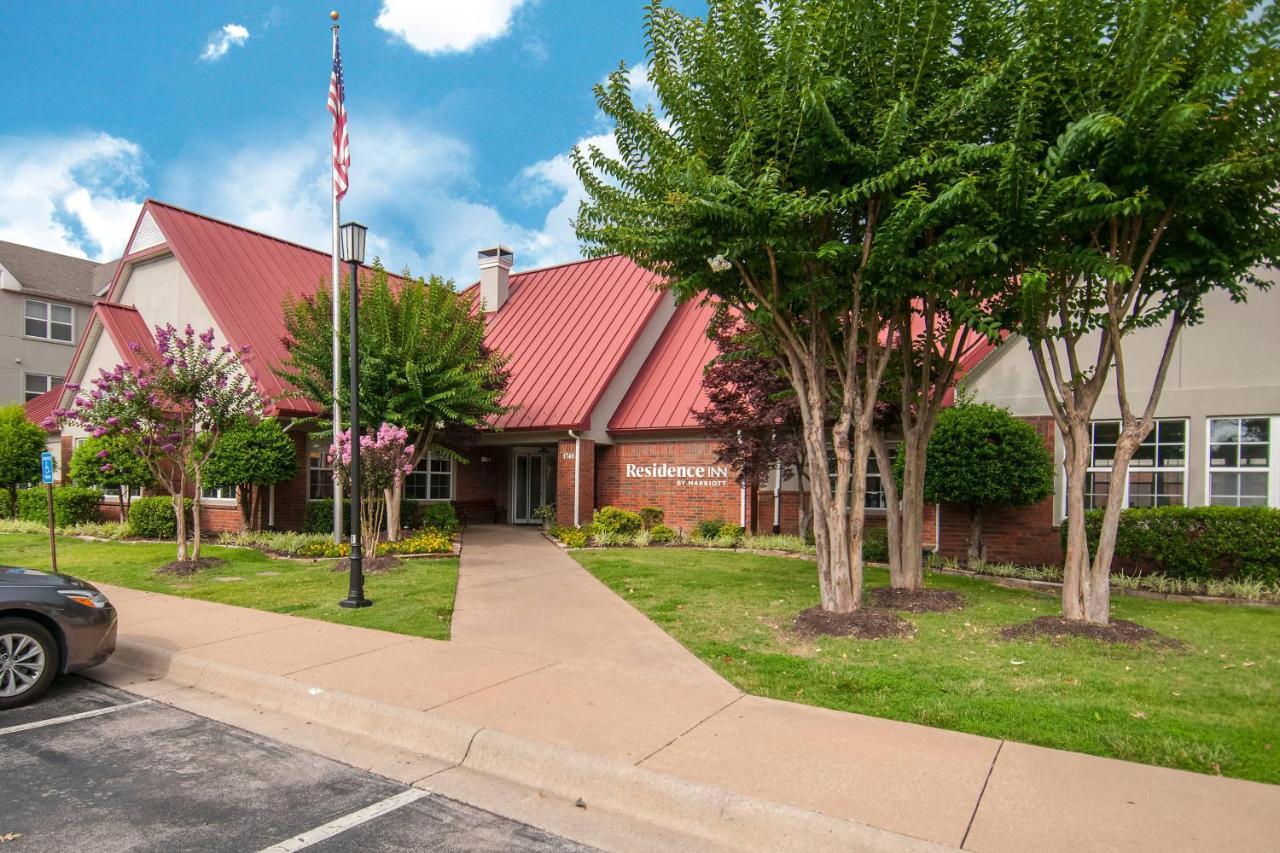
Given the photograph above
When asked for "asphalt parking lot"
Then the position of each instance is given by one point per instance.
(90, 767)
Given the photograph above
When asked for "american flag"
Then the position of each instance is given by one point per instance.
(337, 107)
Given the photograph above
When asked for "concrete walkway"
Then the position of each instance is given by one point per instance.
(542, 650)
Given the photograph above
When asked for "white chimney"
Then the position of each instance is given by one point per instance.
(495, 276)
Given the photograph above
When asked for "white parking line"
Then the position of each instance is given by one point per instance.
(83, 715)
(342, 824)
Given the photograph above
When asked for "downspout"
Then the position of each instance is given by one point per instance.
(937, 528)
(742, 498)
(777, 499)
(577, 474)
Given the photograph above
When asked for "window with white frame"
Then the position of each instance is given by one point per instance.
(35, 384)
(875, 484)
(319, 472)
(49, 320)
(223, 493)
(1157, 472)
(431, 480)
(1241, 463)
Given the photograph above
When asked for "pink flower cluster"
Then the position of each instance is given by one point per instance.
(386, 457)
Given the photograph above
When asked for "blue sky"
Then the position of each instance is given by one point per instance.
(462, 113)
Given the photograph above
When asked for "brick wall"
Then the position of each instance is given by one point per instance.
(1023, 534)
(587, 480)
(684, 504)
(480, 480)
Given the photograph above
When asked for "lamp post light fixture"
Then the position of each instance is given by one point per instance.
(351, 247)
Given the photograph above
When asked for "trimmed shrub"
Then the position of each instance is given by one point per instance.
(1196, 543)
(71, 505)
(709, 528)
(574, 538)
(611, 520)
(4, 504)
(660, 534)
(651, 516)
(319, 518)
(875, 545)
(440, 516)
(152, 518)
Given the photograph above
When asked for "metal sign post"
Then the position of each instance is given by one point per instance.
(46, 477)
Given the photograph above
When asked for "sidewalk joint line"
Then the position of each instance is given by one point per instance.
(981, 793)
(71, 718)
(293, 672)
(490, 686)
(237, 636)
(691, 728)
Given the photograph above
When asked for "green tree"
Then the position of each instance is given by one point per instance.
(783, 175)
(21, 443)
(1140, 172)
(111, 462)
(249, 456)
(981, 456)
(423, 361)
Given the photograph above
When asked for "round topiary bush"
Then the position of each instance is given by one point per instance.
(660, 534)
(610, 520)
(152, 518)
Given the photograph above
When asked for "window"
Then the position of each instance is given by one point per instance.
(432, 480)
(35, 384)
(1157, 472)
(49, 320)
(319, 474)
(1240, 461)
(112, 495)
(225, 493)
(875, 485)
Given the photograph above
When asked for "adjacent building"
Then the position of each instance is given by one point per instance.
(45, 302)
(606, 373)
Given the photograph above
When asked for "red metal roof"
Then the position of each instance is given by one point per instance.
(38, 409)
(566, 331)
(668, 388)
(129, 332)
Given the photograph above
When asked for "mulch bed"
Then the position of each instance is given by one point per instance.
(183, 568)
(370, 565)
(1119, 631)
(917, 600)
(865, 624)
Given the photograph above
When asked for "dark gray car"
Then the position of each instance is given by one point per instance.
(49, 624)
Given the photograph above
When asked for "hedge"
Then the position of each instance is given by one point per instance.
(611, 519)
(152, 518)
(875, 545)
(413, 516)
(1196, 543)
(71, 505)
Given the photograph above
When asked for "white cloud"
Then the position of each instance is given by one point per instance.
(223, 40)
(447, 26)
(555, 178)
(77, 195)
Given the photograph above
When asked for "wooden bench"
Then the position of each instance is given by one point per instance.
(478, 510)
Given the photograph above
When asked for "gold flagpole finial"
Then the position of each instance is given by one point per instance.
(334, 15)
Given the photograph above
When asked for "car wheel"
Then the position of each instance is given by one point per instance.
(28, 661)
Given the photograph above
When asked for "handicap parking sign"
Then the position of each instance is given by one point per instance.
(46, 467)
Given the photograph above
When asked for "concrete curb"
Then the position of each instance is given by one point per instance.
(701, 811)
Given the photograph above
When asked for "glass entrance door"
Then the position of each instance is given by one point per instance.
(535, 484)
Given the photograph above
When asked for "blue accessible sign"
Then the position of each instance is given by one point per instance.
(46, 467)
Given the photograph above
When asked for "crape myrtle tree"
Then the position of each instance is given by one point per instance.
(385, 459)
(981, 456)
(111, 462)
(788, 133)
(175, 406)
(751, 410)
(248, 457)
(1141, 173)
(21, 443)
(423, 362)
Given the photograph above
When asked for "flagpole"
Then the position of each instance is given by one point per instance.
(337, 349)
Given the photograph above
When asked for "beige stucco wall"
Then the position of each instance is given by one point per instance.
(1228, 365)
(20, 355)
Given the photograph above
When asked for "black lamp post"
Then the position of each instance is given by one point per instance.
(352, 250)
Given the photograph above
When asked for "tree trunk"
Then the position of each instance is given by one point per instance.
(392, 496)
(255, 506)
(831, 532)
(1076, 578)
(13, 500)
(181, 517)
(977, 548)
(126, 498)
(911, 571)
(893, 507)
(195, 519)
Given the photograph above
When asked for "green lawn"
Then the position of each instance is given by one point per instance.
(1213, 707)
(415, 598)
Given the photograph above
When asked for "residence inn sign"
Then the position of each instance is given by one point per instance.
(683, 475)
